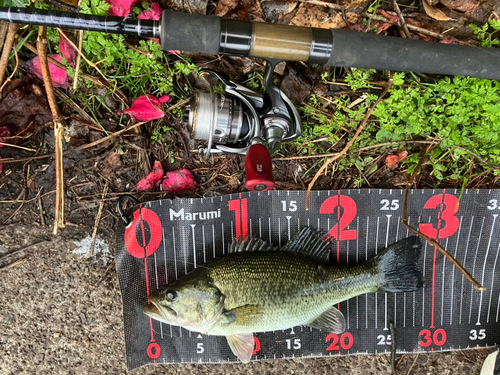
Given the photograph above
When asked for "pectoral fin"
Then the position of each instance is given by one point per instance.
(242, 315)
(332, 320)
(242, 346)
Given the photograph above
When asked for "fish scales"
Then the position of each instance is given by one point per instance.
(291, 289)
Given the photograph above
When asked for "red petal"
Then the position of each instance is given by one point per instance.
(120, 8)
(146, 108)
(152, 179)
(59, 76)
(392, 161)
(1, 166)
(178, 180)
(67, 50)
(153, 14)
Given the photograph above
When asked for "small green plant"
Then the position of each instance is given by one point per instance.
(484, 35)
(358, 78)
(456, 113)
(159, 132)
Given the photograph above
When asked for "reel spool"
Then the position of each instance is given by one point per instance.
(242, 121)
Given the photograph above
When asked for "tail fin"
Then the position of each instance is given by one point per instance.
(397, 265)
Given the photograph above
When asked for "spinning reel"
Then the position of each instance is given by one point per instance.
(242, 121)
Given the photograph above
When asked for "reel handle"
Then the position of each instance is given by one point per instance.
(259, 169)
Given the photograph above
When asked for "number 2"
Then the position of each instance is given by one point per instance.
(350, 210)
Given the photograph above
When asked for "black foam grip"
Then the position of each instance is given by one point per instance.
(190, 32)
(371, 51)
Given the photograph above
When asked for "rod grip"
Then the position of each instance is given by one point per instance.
(372, 51)
(190, 32)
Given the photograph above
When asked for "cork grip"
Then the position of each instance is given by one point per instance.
(282, 42)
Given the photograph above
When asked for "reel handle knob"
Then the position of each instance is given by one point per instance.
(259, 169)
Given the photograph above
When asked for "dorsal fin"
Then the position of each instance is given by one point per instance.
(309, 242)
(249, 244)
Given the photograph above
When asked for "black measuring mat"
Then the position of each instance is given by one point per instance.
(169, 238)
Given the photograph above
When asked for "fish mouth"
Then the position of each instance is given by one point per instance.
(159, 312)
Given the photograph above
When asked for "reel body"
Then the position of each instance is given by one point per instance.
(242, 121)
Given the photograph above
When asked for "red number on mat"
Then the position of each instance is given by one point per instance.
(154, 350)
(346, 341)
(438, 337)
(452, 223)
(240, 209)
(350, 210)
(257, 345)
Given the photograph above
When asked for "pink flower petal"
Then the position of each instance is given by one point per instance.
(67, 50)
(146, 108)
(178, 180)
(120, 8)
(153, 14)
(152, 179)
(392, 161)
(59, 76)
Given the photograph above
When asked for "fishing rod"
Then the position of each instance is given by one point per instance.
(242, 121)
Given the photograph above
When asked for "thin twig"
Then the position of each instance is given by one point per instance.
(59, 126)
(401, 19)
(40, 206)
(16, 146)
(13, 72)
(355, 150)
(83, 147)
(134, 48)
(7, 47)
(477, 157)
(78, 60)
(97, 219)
(432, 241)
(413, 364)
(30, 247)
(350, 143)
(13, 264)
(93, 65)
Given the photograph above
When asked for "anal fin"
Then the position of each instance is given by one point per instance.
(242, 345)
(332, 320)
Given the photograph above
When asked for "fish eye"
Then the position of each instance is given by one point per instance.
(171, 296)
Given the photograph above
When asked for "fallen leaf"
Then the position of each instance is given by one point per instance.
(67, 50)
(461, 5)
(309, 15)
(295, 88)
(187, 6)
(120, 8)
(22, 107)
(278, 11)
(152, 179)
(392, 161)
(178, 180)
(59, 76)
(224, 6)
(114, 161)
(434, 12)
(146, 108)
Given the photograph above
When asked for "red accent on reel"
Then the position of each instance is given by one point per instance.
(259, 169)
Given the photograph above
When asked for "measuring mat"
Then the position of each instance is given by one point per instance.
(167, 239)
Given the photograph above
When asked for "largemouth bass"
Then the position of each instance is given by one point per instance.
(258, 288)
